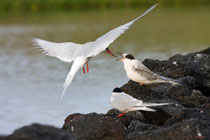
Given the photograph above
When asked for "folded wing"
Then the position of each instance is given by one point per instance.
(123, 101)
(144, 71)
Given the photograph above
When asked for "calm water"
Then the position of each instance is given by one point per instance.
(31, 83)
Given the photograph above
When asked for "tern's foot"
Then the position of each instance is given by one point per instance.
(141, 84)
(122, 114)
(87, 67)
(83, 70)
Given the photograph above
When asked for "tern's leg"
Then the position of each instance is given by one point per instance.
(83, 70)
(141, 84)
(87, 67)
(122, 114)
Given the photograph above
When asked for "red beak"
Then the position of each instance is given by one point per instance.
(109, 52)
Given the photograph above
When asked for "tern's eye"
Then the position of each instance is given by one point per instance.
(129, 56)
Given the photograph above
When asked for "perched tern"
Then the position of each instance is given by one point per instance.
(137, 72)
(126, 103)
(82, 53)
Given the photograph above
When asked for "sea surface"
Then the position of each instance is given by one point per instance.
(31, 83)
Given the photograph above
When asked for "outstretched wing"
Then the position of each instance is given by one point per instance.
(69, 51)
(63, 51)
(104, 41)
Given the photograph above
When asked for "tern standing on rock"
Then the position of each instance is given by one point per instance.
(82, 53)
(137, 72)
(126, 103)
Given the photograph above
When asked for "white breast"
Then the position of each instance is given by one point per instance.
(132, 73)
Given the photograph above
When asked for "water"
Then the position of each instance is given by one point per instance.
(31, 83)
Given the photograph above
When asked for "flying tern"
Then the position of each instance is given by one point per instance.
(126, 103)
(82, 53)
(137, 72)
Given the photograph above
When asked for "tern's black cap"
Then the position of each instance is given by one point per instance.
(129, 56)
(118, 90)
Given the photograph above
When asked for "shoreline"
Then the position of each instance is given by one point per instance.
(187, 117)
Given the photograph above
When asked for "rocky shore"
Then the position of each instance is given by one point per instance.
(188, 117)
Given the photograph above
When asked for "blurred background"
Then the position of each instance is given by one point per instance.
(31, 83)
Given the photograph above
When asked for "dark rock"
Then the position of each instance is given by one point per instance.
(189, 114)
(3, 137)
(41, 132)
(199, 68)
(190, 107)
(206, 107)
(186, 129)
(188, 82)
(196, 65)
(195, 100)
(113, 112)
(137, 125)
(156, 92)
(156, 118)
(205, 51)
(70, 118)
(167, 68)
(125, 120)
(186, 117)
(96, 126)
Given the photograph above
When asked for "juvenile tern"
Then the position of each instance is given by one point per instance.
(126, 103)
(137, 72)
(82, 53)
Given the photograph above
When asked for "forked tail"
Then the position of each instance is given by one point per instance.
(78, 63)
(146, 106)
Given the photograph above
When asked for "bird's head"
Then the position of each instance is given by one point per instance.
(117, 90)
(125, 57)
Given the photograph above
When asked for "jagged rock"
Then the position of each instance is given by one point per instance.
(195, 100)
(3, 137)
(195, 64)
(137, 125)
(186, 129)
(70, 118)
(167, 68)
(186, 117)
(41, 132)
(96, 126)
(189, 114)
(157, 91)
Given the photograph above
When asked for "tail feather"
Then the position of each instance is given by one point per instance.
(67, 83)
(155, 104)
(141, 108)
(174, 82)
(169, 80)
(78, 63)
(146, 107)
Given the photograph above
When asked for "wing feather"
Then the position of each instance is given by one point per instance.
(63, 51)
(104, 41)
(68, 51)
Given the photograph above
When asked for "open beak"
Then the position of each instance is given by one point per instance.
(121, 58)
(109, 52)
